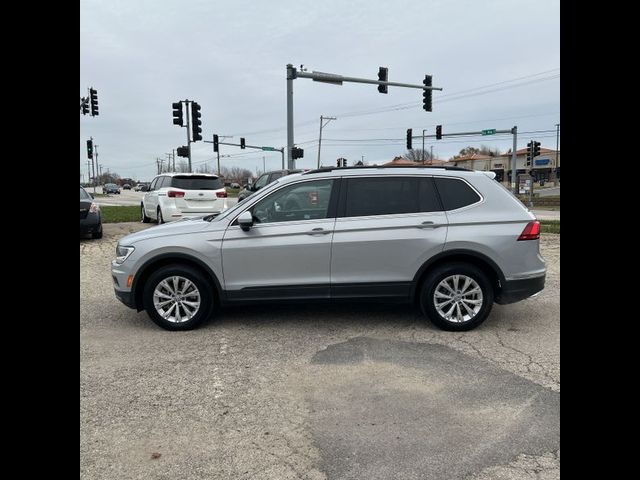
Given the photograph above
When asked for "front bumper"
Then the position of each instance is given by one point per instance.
(515, 290)
(126, 297)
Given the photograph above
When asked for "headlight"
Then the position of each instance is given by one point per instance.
(122, 253)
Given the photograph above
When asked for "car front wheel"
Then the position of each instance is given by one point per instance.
(457, 296)
(178, 297)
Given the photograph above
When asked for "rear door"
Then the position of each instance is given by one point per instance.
(200, 193)
(387, 227)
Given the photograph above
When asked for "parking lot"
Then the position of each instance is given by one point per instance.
(353, 391)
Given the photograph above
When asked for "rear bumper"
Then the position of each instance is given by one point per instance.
(516, 290)
(92, 223)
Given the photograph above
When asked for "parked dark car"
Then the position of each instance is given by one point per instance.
(126, 186)
(111, 188)
(90, 217)
(262, 181)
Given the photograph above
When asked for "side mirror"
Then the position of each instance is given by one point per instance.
(245, 220)
(92, 195)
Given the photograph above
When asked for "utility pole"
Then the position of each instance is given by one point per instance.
(431, 161)
(168, 155)
(174, 159)
(328, 119)
(95, 163)
(555, 169)
(88, 171)
(100, 170)
(514, 185)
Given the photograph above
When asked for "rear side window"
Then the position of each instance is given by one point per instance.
(455, 193)
(390, 195)
(195, 182)
(84, 195)
(275, 176)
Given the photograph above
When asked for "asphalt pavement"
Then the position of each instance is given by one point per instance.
(350, 391)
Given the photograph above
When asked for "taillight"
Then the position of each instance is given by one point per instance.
(221, 194)
(175, 194)
(531, 231)
(94, 208)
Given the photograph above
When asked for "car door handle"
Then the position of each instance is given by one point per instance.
(318, 231)
(429, 225)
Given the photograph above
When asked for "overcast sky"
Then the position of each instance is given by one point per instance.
(498, 62)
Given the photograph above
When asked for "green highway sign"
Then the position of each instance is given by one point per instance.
(491, 131)
(268, 149)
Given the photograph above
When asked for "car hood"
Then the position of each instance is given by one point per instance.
(180, 227)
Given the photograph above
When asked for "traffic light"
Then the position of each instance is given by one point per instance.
(90, 149)
(215, 143)
(409, 137)
(338, 162)
(85, 106)
(536, 149)
(196, 122)
(242, 143)
(438, 132)
(383, 76)
(529, 153)
(178, 119)
(93, 100)
(183, 152)
(297, 153)
(344, 162)
(426, 94)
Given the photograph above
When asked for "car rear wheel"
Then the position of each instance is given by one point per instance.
(145, 219)
(178, 297)
(97, 234)
(159, 216)
(456, 296)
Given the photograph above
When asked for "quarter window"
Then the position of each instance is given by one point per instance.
(302, 201)
(455, 193)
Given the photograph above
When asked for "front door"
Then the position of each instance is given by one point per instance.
(287, 252)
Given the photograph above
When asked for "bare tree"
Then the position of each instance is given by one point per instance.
(483, 150)
(182, 166)
(204, 169)
(416, 155)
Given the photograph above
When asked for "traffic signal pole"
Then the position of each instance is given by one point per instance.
(188, 132)
(292, 74)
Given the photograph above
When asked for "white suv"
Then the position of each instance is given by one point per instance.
(172, 196)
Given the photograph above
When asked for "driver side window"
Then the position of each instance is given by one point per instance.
(302, 201)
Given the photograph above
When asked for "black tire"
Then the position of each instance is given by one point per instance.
(97, 234)
(441, 273)
(159, 217)
(204, 286)
(143, 214)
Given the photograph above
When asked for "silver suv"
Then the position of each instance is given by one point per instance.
(453, 241)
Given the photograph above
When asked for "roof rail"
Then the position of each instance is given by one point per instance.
(329, 169)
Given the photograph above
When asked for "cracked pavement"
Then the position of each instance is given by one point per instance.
(292, 391)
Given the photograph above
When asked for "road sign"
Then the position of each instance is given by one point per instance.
(490, 131)
(268, 149)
